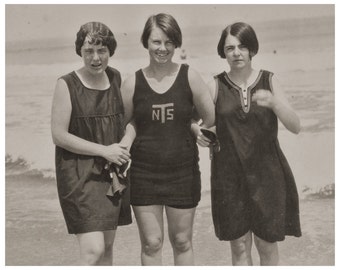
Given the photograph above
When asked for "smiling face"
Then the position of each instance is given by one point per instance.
(161, 48)
(237, 54)
(95, 57)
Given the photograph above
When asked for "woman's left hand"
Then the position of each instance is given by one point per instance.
(264, 98)
(200, 138)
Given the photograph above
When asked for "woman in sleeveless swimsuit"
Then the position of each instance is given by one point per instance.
(253, 190)
(164, 171)
(87, 124)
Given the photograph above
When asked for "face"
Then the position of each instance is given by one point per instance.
(95, 57)
(237, 54)
(161, 48)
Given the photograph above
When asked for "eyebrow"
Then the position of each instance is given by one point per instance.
(232, 46)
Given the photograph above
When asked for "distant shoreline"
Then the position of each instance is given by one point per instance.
(17, 50)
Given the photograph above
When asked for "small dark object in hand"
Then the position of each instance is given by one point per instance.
(214, 142)
(210, 135)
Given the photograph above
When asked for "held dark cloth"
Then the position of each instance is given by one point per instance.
(119, 179)
(252, 185)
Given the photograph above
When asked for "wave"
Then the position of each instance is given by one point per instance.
(326, 192)
(20, 167)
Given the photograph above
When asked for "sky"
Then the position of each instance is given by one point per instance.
(36, 21)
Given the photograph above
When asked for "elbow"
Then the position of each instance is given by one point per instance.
(55, 141)
(293, 124)
(297, 128)
(296, 131)
(56, 138)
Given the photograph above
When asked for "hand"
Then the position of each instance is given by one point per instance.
(202, 140)
(264, 98)
(116, 153)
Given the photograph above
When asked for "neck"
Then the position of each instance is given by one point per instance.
(92, 76)
(241, 74)
(161, 67)
(160, 71)
(93, 80)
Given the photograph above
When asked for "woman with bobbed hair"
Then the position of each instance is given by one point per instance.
(244, 33)
(87, 124)
(167, 24)
(97, 33)
(253, 190)
(165, 174)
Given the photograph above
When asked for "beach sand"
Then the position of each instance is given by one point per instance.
(36, 233)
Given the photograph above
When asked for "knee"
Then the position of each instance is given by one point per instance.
(260, 245)
(152, 245)
(269, 253)
(181, 242)
(239, 246)
(93, 254)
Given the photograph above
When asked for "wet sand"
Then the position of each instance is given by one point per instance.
(36, 233)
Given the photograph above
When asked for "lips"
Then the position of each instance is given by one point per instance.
(96, 65)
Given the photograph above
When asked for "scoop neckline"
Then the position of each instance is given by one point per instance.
(171, 86)
(92, 89)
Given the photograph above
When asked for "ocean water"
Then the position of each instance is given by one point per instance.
(300, 52)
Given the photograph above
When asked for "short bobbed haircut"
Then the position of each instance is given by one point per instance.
(168, 25)
(97, 33)
(245, 34)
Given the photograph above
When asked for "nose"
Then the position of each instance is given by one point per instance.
(162, 46)
(236, 51)
(95, 56)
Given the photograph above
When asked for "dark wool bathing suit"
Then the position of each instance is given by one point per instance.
(164, 169)
(252, 185)
(97, 116)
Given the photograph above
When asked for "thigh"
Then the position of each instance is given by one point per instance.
(91, 240)
(149, 220)
(180, 221)
(265, 246)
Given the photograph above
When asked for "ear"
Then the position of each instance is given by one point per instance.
(251, 55)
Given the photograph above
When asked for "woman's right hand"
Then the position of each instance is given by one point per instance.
(202, 140)
(116, 153)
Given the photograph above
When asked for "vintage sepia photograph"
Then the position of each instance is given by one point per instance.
(192, 134)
